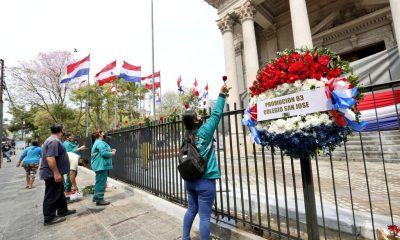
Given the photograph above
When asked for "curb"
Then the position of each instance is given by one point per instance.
(217, 228)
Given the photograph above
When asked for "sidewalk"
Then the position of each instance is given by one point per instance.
(132, 214)
(128, 217)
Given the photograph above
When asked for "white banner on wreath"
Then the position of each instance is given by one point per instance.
(294, 104)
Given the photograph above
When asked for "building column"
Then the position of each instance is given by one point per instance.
(225, 24)
(300, 25)
(395, 9)
(246, 15)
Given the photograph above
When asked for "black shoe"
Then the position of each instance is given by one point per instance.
(55, 220)
(68, 212)
(102, 203)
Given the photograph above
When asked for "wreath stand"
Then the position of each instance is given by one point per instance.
(309, 197)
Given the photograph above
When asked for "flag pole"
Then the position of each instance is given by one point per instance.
(115, 105)
(152, 59)
(87, 104)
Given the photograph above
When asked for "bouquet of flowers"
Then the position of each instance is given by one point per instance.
(394, 232)
(300, 70)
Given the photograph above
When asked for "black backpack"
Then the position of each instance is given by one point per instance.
(191, 165)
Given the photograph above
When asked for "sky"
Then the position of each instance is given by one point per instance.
(186, 37)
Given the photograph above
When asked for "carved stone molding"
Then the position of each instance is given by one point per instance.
(354, 41)
(246, 11)
(225, 24)
(347, 30)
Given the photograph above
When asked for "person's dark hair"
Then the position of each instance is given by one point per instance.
(188, 118)
(96, 134)
(35, 143)
(56, 128)
(68, 134)
(83, 162)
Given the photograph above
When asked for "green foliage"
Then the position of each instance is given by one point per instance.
(102, 104)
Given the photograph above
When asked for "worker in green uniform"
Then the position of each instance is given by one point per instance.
(101, 163)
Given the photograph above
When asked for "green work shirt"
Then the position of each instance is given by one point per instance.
(204, 139)
(71, 147)
(101, 156)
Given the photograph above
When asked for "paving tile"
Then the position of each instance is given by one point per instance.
(140, 235)
(124, 228)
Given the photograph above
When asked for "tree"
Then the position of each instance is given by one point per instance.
(36, 83)
(171, 103)
(102, 104)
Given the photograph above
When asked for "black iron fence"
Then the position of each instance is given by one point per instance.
(357, 186)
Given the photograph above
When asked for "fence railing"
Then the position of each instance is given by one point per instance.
(357, 186)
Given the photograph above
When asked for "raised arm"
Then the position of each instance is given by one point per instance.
(212, 123)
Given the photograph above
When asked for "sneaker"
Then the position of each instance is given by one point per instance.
(102, 203)
(55, 220)
(68, 212)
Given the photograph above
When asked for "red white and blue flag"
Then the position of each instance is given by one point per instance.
(77, 70)
(179, 83)
(205, 92)
(107, 74)
(149, 83)
(194, 89)
(130, 73)
(158, 97)
(380, 110)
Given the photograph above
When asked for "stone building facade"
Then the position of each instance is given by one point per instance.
(254, 30)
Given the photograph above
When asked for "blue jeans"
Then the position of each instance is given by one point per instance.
(201, 195)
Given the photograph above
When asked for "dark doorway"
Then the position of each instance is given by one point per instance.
(363, 52)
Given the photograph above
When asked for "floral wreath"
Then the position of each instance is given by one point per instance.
(299, 70)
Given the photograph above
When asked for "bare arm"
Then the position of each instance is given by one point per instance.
(72, 176)
(53, 166)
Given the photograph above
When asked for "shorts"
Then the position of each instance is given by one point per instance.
(31, 169)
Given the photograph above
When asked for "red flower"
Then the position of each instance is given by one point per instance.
(394, 228)
(323, 60)
(297, 66)
(334, 73)
(224, 78)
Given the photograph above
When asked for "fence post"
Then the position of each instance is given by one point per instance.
(309, 197)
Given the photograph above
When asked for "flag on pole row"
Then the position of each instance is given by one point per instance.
(149, 83)
(194, 89)
(107, 74)
(179, 82)
(77, 70)
(158, 97)
(205, 92)
(130, 73)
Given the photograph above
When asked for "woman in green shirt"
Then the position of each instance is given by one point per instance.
(101, 162)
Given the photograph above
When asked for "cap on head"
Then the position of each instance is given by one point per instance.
(188, 119)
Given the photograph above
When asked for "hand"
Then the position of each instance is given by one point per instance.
(19, 164)
(57, 177)
(113, 152)
(81, 148)
(224, 89)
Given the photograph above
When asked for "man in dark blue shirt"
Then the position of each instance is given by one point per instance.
(53, 166)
